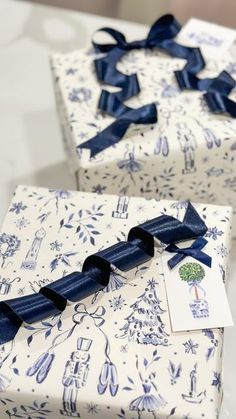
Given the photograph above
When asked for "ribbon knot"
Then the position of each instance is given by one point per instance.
(194, 251)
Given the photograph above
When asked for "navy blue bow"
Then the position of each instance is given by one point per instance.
(139, 248)
(195, 251)
(161, 35)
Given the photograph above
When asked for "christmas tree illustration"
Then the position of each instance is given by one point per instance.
(144, 324)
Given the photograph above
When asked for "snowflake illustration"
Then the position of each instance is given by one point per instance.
(214, 233)
(71, 71)
(92, 408)
(80, 95)
(216, 380)
(17, 207)
(190, 347)
(221, 250)
(140, 208)
(56, 245)
(124, 349)
(99, 189)
(117, 303)
(21, 223)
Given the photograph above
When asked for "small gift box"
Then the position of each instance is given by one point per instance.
(183, 155)
(113, 353)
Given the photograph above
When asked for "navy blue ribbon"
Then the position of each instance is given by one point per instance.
(111, 135)
(161, 35)
(139, 248)
(195, 251)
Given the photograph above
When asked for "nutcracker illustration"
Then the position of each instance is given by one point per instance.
(6, 284)
(75, 376)
(193, 396)
(193, 274)
(122, 207)
(30, 261)
(188, 145)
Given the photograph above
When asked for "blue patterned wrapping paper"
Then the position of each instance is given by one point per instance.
(184, 155)
(95, 360)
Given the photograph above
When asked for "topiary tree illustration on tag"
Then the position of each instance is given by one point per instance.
(144, 324)
(193, 273)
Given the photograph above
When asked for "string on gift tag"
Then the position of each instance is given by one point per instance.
(125, 255)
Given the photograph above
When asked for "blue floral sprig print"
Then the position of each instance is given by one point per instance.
(13, 244)
(64, 258)
(214, 343)
(35, 411)
(46, 328)
(80, 95)
(17, 207)
(82, 221)
(214, 233)
(175, 372)
(58, 196)
(191, 347)
(216, 380)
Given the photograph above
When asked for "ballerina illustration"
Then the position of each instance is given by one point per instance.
(150, 400)
(130, 164)
(193, 396)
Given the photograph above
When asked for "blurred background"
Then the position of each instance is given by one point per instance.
(144, 11)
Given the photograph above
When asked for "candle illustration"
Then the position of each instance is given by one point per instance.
(193, 396)
(30, 261)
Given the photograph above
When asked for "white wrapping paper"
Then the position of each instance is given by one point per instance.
(99, 357)
(184, 156)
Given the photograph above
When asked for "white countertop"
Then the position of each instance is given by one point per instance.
(30, 139)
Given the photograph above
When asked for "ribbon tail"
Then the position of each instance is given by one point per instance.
(111, 135)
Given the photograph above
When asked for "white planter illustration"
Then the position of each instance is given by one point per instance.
(199, 308)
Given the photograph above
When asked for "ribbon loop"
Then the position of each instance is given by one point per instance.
(139, 248)
(194, 251)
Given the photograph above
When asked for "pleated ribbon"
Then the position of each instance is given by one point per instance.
(138, 249)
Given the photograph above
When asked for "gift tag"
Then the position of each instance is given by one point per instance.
(211, 38)
(196, 293)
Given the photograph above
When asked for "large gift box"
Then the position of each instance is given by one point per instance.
(185, 154)
(113, 354)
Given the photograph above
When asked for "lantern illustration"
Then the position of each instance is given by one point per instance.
(30, 261)
(193, 274)
(75, 376)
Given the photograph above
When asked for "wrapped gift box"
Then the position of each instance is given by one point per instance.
(92, 359)
(184, 155)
